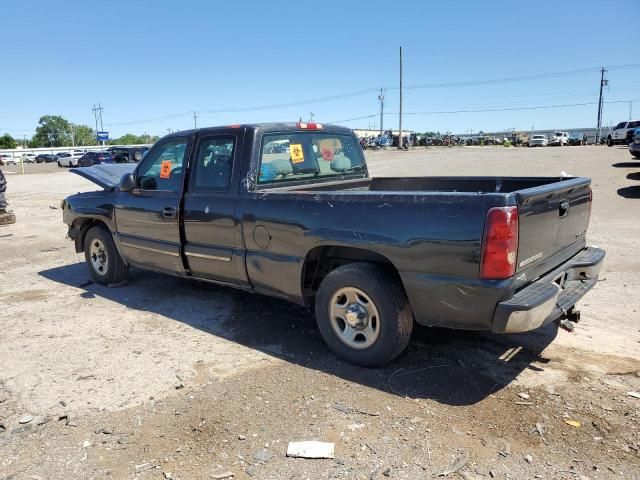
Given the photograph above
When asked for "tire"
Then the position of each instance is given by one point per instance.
(609, 142)
(637, 157)
(59, 164)
(137, 156)
(104, 262)
(364, 290)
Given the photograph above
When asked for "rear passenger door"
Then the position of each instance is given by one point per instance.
(213, 243)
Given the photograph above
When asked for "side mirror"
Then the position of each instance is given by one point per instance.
(127, 182)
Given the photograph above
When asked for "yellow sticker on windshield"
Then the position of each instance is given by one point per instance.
(297, 155)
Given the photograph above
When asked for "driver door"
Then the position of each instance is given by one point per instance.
(148, 217)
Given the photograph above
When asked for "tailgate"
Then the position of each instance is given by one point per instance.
(553, 221)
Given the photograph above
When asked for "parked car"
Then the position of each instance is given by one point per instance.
(7, 159)
(538, 141)
(577, 138)
(622, 133)
(66, 159)
(634, 146)
(483, 253)
(127, 154)
(28, 158)
(94, 158)
(559, 139)
(46, 158)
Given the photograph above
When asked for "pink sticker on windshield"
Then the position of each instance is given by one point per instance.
(327, 154)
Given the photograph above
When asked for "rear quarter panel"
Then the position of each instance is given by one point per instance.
(432, 235)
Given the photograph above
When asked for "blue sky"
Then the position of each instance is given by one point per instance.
(147, 59)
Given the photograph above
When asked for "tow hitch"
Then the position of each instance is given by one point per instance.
(569, 319)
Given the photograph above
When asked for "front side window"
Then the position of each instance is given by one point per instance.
(162, 167)
(214, 162)
(620, 125)
(308, 156)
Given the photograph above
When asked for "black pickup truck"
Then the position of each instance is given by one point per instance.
(289, 210)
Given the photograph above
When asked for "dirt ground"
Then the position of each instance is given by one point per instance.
(167, 378)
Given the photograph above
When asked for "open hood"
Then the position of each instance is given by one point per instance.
(106, 176)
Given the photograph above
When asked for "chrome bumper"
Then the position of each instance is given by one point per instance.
(548, 298)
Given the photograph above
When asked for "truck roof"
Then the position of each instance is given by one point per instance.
(267, 127)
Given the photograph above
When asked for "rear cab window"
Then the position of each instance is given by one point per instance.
(309, 156)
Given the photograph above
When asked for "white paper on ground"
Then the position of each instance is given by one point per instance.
(310, 449)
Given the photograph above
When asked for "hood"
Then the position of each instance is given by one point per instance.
(106, 176)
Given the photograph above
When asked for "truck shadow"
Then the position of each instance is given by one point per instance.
(448, 366)
(630, 192)
(625, 164)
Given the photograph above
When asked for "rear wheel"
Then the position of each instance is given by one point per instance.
(363, 314)
(105, 264)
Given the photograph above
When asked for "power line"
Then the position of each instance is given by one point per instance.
(370, 90)
(505, 109)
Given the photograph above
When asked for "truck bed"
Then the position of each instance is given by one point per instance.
(434, 184)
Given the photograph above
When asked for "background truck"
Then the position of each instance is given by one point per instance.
(289, 210)
(622, 133)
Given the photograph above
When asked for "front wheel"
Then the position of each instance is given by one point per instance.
(363, 314)
(609, 142)
(105, 264)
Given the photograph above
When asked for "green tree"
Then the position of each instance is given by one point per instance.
(84, 135)
(52, 131)
(7, 141)
(132, 139)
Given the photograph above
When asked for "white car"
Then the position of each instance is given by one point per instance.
(538, 141)
(559, 139)
(28, 158)
(7, 159)
(68, 159)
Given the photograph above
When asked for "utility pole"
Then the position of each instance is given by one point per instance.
(400, 116)
(630, 109)
(603, 82)
(195, 120)
(97, 113)
(381, 98)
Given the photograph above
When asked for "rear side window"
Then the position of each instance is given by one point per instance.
(162, 167)
(308, 156)
(633, 125)
(214, 162)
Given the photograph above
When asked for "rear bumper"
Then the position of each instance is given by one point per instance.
(634, 148)
(548, 298)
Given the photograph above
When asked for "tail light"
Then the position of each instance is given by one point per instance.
(500, 244)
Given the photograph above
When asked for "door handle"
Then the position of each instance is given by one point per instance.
(169, 212)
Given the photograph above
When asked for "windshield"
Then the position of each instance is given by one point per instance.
(304, 155)
(538, 137)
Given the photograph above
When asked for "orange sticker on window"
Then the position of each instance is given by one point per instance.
(165, 169)
(297, 155)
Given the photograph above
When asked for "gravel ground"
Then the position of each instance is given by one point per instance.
(167, 378)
